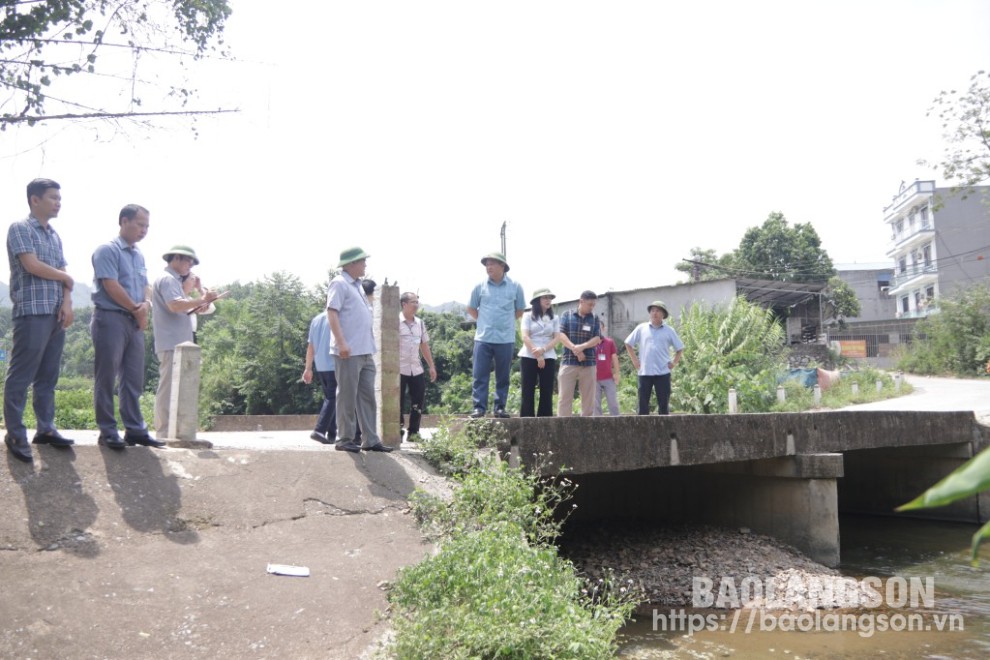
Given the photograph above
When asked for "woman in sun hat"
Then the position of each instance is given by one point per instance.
(538, 359)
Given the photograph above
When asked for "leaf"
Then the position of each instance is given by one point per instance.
(981, 533)
(968, 479)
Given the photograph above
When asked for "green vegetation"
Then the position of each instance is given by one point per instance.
(498, 588)
(956, 341)
(799, 398)
(739, 347)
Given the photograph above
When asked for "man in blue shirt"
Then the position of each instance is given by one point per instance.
(121, 306)
(42, 309)
(318, 353)
(495, 304)
(653, 341)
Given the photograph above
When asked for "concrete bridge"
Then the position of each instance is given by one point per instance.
(786, 475)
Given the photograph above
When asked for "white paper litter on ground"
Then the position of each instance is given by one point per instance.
(285, 569)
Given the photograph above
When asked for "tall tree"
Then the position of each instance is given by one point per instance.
(705, 265)
(965, 118)
(45, 42)
(778, 251)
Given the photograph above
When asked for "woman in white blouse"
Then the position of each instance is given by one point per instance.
(540, 334)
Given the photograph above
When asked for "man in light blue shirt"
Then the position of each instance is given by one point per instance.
(352, 344)
(121, 306)
(495, 304)
(653, 341)
(318, 354)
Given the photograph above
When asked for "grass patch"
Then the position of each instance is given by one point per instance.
(498, 587)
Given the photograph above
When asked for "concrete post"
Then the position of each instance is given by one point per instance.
(781, 394)
(818, 395)
(733, 403)
(879, 386)
(897, 382)
(183, 406)
(387, 309)
(855, 388)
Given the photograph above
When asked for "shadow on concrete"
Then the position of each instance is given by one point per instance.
(386, 477)
(59, 511)
(150, 500)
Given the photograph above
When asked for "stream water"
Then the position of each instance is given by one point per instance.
(955, 625)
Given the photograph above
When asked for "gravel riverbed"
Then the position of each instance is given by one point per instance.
(746, 569)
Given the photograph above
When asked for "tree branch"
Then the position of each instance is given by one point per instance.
(33, 119)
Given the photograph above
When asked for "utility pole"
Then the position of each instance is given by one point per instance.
(503, 239)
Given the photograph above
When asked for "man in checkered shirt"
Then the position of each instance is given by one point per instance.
(40, 291)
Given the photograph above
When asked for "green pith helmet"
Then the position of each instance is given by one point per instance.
(184, 250)
(539, 293)
(497, 256)
(350, 255)
(659, 304)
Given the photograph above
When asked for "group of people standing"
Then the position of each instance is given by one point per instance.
(588, 361)
(123, 302)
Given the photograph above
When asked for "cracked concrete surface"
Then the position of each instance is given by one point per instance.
(146, 553)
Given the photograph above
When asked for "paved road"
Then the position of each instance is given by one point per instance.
(943, 394)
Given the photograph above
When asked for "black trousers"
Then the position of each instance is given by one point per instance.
(416, 385)
(649, 384)
(532, 376)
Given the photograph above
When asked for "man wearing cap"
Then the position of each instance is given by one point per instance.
(40, 291)
(171, 307)
(580, 333)
(495, 304)
(653, 341)
(121, 305)
(352, 344)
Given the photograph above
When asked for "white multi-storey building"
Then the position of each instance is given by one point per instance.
(940, 241)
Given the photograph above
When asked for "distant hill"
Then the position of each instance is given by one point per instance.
(452, 306)
(81, 295)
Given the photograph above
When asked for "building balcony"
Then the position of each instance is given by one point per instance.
(913, 277)
(906, 199)
(906, 241)
(918, 313)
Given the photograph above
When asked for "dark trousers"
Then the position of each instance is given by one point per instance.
(416, 385)
(533, 376)
(118, 366)
(649, 384)
(326, 423)
(34, 359)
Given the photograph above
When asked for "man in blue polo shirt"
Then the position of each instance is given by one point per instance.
(495, 304)
(653, 341)
(121, 306)
(42, 309)
(318, 354)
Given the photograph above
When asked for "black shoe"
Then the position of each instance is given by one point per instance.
(111, 441)
(501, 414)
(477, 413)
(379, 447)
(348, 446)
(19, 448)
(53, 438)
(142, 439)
(319, 437)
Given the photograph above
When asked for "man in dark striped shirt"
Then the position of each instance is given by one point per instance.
(42, 309)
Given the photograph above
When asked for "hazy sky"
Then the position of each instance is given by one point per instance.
(611, 137)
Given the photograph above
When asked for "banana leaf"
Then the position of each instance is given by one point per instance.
(967, 480)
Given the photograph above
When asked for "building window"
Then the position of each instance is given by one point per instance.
(902, 265)
(924, 216)
(900, 227)
(930, 294)
(927, 254)
(904, 304)
(917, 299)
